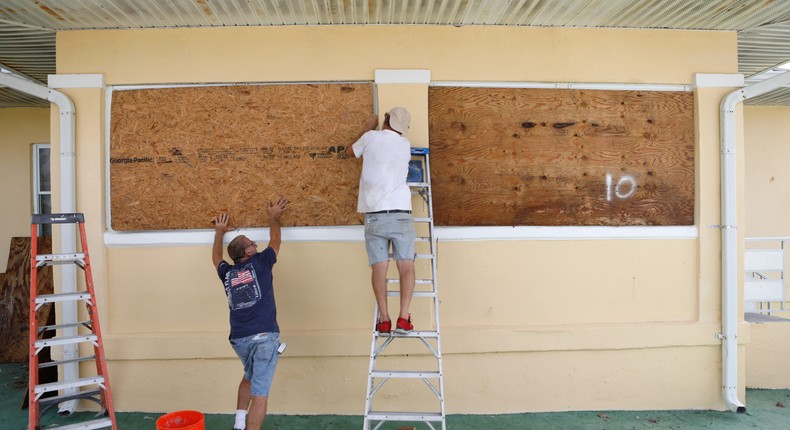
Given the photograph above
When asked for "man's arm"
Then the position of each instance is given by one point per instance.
(275, 235)
(220, 228)
(370, 124)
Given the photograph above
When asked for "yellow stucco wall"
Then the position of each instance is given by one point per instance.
(20, 128)
(528, 325)
(767, 202)
(767, 179)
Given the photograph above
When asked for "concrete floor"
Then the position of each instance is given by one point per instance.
(766, 410)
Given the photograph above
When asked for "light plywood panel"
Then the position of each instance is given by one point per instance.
(179, 156)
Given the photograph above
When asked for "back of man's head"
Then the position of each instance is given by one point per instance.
(236, 248)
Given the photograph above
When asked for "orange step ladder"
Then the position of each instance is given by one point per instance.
(96, 387)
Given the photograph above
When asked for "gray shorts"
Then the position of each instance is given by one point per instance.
(258, 353)
(383, 229)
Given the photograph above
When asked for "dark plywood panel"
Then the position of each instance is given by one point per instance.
(547, 157)
(15, 298)
(179, 156)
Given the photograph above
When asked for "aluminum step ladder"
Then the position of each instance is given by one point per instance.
(94, 388)
(426, 343)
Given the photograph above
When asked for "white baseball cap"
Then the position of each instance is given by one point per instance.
(399, 119)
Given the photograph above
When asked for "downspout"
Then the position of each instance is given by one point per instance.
(729, 247)
(68, 241)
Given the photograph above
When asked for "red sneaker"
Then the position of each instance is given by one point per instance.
(384, 326)
(404, 326)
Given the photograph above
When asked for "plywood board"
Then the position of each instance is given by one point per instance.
(15, 298)
(547, 157)
(179, 156)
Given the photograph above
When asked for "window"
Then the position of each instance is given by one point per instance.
(42, 189)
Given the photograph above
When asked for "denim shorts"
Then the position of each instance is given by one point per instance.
(258, 353)
(383, 229)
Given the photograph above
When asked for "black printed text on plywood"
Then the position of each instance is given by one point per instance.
(179, 156)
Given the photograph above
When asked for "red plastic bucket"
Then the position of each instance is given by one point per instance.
(181, 420)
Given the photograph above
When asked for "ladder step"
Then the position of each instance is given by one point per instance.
(68, 340)
(416, 281)
(423, 219)
(62, 385)
(418, 184)
(61, 218)
(66, 397)
(414, 294)
(62, 362)
(42, 329)
(63, 297)
(404, 416)
(417, 334)
(423, 256)
(404, 374)
(61, 258)
(100, 423)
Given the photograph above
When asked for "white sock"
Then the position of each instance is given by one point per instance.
(241, 419)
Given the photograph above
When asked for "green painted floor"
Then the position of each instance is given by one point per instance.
(766, 410)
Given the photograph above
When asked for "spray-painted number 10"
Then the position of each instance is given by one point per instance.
(623, 188)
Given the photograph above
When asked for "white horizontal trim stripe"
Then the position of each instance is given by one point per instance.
(565, 86)
(76, 81)
(226, 84)
(714, 80)
(203, 237)
(356, 234)
(565, 233)
(384, 76)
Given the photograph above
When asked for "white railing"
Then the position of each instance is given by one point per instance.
(764, 277)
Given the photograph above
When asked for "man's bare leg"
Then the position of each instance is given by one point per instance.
(242, 404)
(257, 412)
(406, 272)
(378, 278)
(243, 398)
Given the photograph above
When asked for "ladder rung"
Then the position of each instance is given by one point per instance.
(44, 328)
(62, 385)
(423, 219)
(100, 423)
(70, 340)
(404, 374)
(414, 294)
(418, 184)
(66, 397)
(417, 334)
(404, 416)
(418, 256)
(62, 362)
(416, 281)
(60, 218)
(61, 258)
(63, 297)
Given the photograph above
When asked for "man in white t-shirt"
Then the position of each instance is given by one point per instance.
(385, 199)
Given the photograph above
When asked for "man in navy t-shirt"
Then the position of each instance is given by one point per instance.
(254, 333)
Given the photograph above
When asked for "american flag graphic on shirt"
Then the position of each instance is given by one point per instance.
(243, 277)
(241, 286)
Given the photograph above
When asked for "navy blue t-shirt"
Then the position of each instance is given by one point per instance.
(248, 286)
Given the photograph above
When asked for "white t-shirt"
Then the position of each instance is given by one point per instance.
(385, 166)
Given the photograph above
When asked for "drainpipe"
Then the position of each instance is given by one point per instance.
(68, 241)
(729, 249)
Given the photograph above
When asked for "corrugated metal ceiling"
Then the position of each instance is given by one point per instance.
(27, 27)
